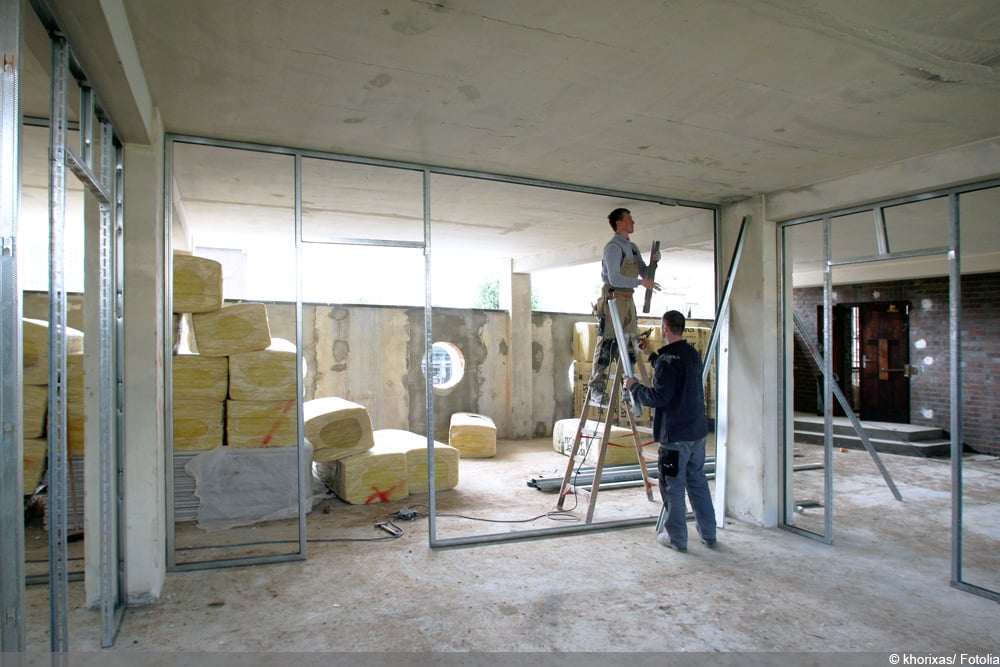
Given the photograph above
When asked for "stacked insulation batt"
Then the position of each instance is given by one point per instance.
(369, 477)
(337, 428)
(197, 425)
(35, 349)
(414, 446)
(35, 451)
(36, 404)
(474, 436)
(261, 423)
(621, 446)
(264, 375)
(235, 328)
(197, 377)
(584, 340)
(200, 387)
(197, 284)
(74, 405)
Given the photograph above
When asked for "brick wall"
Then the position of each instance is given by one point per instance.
(930, 393)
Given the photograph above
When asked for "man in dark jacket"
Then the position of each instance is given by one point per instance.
(680, 426)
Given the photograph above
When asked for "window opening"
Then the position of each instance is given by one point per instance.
(447, 365)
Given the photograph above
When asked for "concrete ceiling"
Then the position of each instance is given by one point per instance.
(696, 101)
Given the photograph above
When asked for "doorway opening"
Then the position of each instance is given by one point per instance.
(871, 359)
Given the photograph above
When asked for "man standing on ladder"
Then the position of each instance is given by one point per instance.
(622, 270)
(680, 426)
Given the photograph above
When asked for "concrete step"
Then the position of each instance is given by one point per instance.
(881, 430)
(927, 448)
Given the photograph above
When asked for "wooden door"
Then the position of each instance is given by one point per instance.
(885, 375)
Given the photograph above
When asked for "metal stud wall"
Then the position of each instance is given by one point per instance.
(96, 163)
(881, 240)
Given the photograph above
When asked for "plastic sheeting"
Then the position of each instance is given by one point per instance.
(239, 487)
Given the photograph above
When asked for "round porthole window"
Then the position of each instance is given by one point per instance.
(447, 365)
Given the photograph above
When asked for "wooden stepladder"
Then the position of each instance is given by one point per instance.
(620, 368)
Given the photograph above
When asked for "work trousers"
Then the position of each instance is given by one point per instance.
(682, 469)
(607, 344)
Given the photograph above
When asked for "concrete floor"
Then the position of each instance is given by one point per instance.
(882, 586)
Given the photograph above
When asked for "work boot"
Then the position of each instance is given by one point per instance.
(597, 396)
(665, 540)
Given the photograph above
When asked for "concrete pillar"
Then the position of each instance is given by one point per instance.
(752, 458)
(92, 401)
(145, 546)
(520, 355)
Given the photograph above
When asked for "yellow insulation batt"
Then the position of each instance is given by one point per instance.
(264, 375)
(365, 478)
(35, 349)
(582, 371)
(261, 423)
(36, 404)
(197, 425)
(621, 447)
(414, 446)
(75, 426)
(35, 451)
(474, 436)
(197, 284)
(74, 404)
(240, 327)
(337, 428)
(584, 340)
(74, 378)
(199, 377)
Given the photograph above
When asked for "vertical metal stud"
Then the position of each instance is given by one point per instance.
(12, 627)
(827, 386)
(108, 450)
(299, 377)
(428, 356)
(58, 455)
(955, 377)
(118, 322)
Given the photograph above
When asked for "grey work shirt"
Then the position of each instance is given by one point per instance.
(616, 251)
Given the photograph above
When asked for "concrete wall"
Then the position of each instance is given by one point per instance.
(372, 355)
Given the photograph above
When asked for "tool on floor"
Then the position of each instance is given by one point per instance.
(620, 367)
(390, 527)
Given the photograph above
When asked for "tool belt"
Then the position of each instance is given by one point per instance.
(611, 293)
